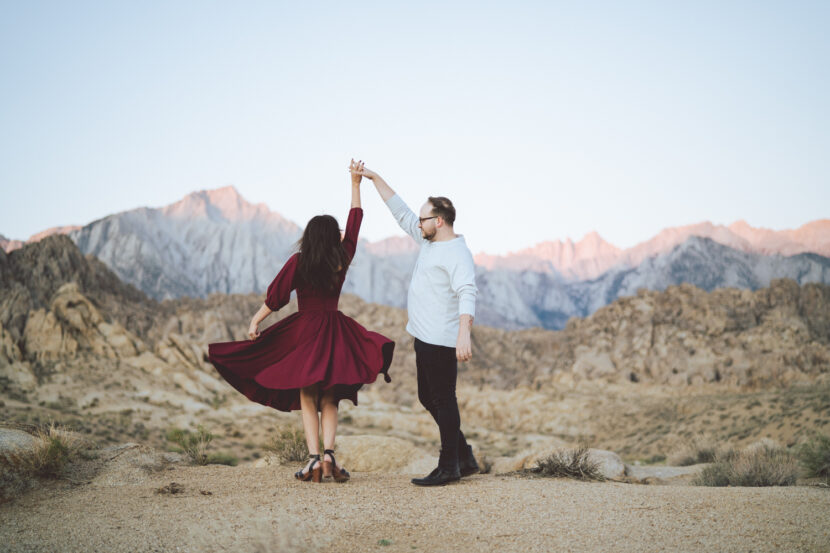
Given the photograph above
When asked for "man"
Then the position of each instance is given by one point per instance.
(441, 307)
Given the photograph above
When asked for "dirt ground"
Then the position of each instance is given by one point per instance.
(247, 509)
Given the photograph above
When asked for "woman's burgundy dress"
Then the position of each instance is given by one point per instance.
(318, 344)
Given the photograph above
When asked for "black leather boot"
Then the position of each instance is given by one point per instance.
(439, 477)
(467, 464)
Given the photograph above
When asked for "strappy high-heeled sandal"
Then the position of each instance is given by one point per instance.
(315, 473)
(330, 469)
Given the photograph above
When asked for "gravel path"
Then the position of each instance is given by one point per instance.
(251, 509)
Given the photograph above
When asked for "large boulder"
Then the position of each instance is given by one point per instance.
(74, 324)
(12, 439)
(383, 454)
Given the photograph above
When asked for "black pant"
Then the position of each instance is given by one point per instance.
(437, 372)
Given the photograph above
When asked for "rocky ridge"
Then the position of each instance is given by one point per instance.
(215, 241)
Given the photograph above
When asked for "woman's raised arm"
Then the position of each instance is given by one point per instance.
(354, 169)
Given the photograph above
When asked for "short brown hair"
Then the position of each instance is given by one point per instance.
(442, 207)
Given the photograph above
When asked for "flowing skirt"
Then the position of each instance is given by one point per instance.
(309, 347)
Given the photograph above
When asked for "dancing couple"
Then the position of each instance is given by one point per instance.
(312, 359)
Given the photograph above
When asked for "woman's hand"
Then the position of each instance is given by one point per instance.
(355, 168)
(359, 169)
(253, 333)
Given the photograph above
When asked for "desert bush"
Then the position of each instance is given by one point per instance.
(694, 451)
(763, 464)
(222, 459)
(193, 444)
(288, 445)
(53, 448)
(575, 463)
(815, 456)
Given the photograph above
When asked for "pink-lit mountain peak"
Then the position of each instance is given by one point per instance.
(811, 237)
(225, 203)
(592, 255)
(590, 245)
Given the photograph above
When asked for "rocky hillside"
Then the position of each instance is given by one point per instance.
(77, 343)
(55, 300)
(30, 277)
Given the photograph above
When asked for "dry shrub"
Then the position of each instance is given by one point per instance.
(694, 451)
(574, 463)
(53, 447)
(223, 458)
(761, 464)
(194, 444)
(289, 445)
(815, 456)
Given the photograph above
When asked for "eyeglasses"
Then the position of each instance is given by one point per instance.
(422, 219)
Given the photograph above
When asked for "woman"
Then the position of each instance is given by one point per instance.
(311, 359)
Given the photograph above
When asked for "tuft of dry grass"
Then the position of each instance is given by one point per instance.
(54, 446)
(699, 449)
(761, 464)
(194, 444)
(288, 445)
(572, 463)
(223, 458)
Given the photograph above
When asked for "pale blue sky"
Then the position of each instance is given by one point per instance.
(540, 120)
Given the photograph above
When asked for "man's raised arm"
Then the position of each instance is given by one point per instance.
(406, 218)
(383, 189)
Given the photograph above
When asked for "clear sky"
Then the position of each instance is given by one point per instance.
(540, 120)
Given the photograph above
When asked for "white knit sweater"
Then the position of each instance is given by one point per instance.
(443, 282)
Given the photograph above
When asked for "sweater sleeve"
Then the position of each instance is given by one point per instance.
(279, 291)
(463, 282)
(406, 218)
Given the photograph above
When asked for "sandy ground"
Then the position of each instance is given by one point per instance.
(265, 509)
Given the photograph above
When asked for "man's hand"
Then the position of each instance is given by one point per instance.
(383, 189)
(363, 172)
(355, 168)
(463, 345)
(253, 333)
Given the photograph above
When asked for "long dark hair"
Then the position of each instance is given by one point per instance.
(322, 255)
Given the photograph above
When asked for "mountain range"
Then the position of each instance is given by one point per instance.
(216, 241)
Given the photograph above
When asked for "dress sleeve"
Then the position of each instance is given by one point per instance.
(352, 230)
(279, 291)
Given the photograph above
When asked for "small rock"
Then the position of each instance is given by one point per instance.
(171, 488)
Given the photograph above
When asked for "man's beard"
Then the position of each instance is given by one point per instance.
(428, 235)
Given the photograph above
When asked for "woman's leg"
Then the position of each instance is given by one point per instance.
(328, 417)
(311, 423)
